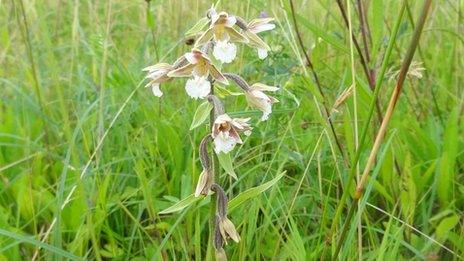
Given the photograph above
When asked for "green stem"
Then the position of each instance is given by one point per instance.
(393, 101)
(362, 139)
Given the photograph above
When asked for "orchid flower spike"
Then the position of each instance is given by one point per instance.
(224, 35)
(226, 132)
(258, 99)
(157, 74)
(251, 33)
(200, 67)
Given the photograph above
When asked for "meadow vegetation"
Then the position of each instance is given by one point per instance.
(89, 159)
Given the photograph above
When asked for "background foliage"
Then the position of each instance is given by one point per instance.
(70, 70)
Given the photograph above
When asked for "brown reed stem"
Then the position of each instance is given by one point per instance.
(390, 109)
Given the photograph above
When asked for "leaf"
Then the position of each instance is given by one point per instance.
(181, 204)
(37, 243)
(323, 34)
(226, 164)
(446, 225)
(447, 171)
(201, 114)
(198, 27)
(253, 192)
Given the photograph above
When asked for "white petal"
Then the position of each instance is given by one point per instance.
(224, 143)
(223, 118)
(198, 87)
(264, 87)
(225, 51)
(214, 17)
(155, 88)
(191, 58)
(262, 53)
(231, 20)
(262, 27)
(266, 109)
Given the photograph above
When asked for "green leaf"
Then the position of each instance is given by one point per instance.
(181, 204)
(336, 43)
(37, 243)
(253, 192)
(198, 27)
(226, 164)
(446, 225)
(447, 165)
(201, 114)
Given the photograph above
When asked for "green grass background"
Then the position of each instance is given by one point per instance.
(73, 70)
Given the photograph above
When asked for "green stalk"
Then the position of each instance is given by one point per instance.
(362, 139)
(392, 104)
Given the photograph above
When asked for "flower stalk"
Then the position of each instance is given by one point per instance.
(219, 39)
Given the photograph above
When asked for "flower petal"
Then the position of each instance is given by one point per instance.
(158, 66)
(235, 36)
(230, 21)
(255, 41)
(229, 229)
(262, 53)
(224, 143)
(260, 21)
(262, 28)
(263, 87)
(202, 184)
(191, 57)
(205, 37)
(155, 88)
(184, 71)
(225, 51)
(198, 87)
(218, 75)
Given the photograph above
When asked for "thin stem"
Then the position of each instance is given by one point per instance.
(364, 63)
(391, 107)
(318, 84)
(362, 139)
(395, 96)
(37, 87)
(355, 112)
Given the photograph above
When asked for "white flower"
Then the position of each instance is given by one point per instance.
(157, 74)
(225, 51)
(223, 33)
(198, 87)
(226, 131)
(221, 29)
(258, 99)
(253, 28)
(260, 25)
(198, 65)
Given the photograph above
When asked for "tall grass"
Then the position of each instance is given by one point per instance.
(88, 159)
